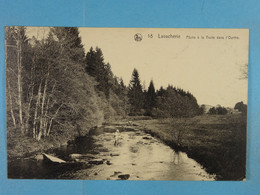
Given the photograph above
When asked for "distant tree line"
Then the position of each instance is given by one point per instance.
(54, 87)
(169, 102)
(134, 99)
(218, 110)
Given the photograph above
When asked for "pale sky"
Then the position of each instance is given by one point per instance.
(209, 68)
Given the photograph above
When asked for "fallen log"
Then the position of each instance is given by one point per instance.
(52, 159)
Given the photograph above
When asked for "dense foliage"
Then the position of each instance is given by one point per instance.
(241, 107)
(56, 94)
(54, 87)
(218, 110)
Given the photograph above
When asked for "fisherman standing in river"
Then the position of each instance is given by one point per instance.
(116, 136)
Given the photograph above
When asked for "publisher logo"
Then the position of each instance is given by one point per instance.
(138, 37)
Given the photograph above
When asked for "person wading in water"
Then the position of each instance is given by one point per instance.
(116, 137)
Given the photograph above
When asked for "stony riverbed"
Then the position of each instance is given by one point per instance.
(137, 156)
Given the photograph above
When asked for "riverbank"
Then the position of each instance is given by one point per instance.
(136, 156)
(217, 142)
(23, 146)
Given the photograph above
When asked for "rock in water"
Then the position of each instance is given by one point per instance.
(124, 176)
(103, 149)
(39, 157)
(74, 156)
(115, 173)
(90, 156)
(114, 154)
(96, 161)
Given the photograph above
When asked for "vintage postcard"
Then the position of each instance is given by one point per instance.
(126, 103)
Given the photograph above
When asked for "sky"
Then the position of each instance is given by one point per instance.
(211, 69)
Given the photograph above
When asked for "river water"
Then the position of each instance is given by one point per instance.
(137, 156)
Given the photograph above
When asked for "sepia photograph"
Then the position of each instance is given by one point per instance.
(126, 103)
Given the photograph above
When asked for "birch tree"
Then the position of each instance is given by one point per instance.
(14, 44)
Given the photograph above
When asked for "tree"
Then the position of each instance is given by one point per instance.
(212, 110)
(241, 107)
(113, 93)
(70, 42)
(11, 74)
(51, 87)
(75, 100)
(123, 96)
(91, 67)
(135, 94)
(218, 110)
(202, 109)
(101, 71)
(175, 102)
(16, 41)
(150, 98)
(221, 110)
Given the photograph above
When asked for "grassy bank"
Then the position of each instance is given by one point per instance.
(23, 146)
(217, 142)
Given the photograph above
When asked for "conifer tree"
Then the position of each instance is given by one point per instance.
(101, 71)
(135, 94)
(150, 98)
(90, 63)
(70, 42)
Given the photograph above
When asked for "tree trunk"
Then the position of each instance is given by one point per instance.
(42, 118)
(19, 75)
(30, 95)
(11, 101)
(46, 111)
(27, 114)
(36, 111)
(49, 129)
(38, 138)
(9, 89)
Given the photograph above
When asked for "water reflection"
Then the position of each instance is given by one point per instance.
(138, 155)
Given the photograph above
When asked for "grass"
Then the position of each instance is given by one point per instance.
(217, 142)
(23, 146)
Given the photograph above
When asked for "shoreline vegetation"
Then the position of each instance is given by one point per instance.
(56, 91)
(217, 142)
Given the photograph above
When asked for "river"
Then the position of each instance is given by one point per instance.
(137, 156)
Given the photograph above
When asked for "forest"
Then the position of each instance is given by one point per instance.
(56, 93)
(55, 88)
